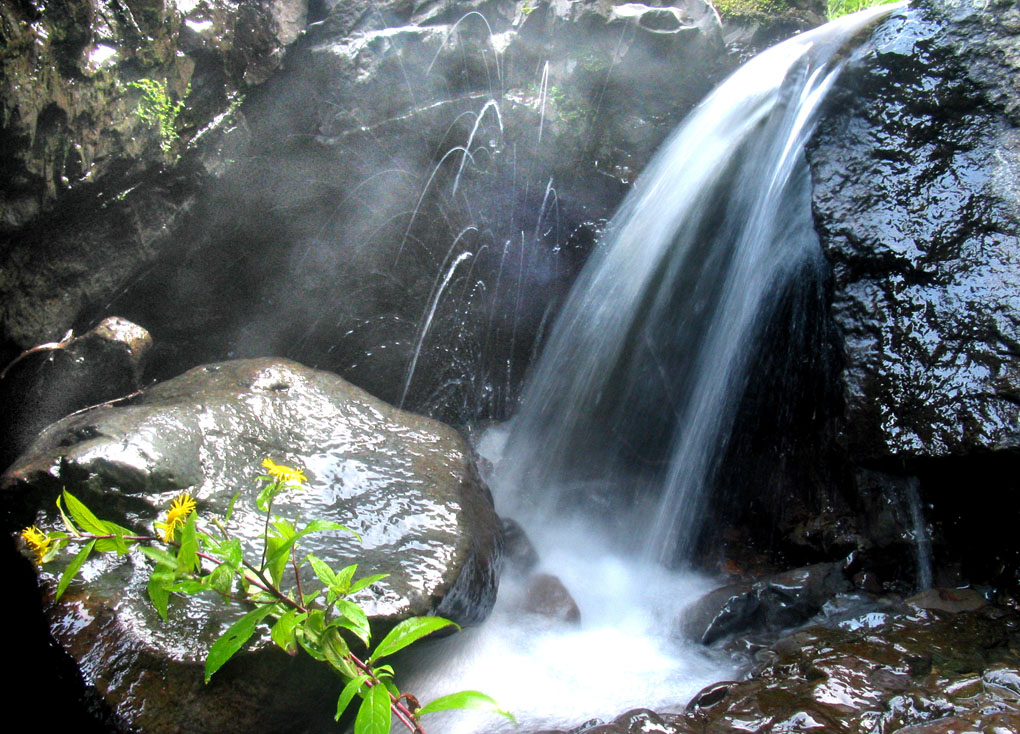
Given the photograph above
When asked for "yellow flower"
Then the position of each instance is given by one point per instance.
(37, 541)
(182, 506)
(283, 473)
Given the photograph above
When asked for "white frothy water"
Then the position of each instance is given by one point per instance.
(624, 653)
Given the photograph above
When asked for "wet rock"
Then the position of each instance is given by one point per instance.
(68, 104)
(948, 600)
(771, 604)
(92, 192)
(750, 27)
(406, 146)
(547, 597)
(866, 676)
(519, 552)
(57, 378)
(404, 482)
(916, 205)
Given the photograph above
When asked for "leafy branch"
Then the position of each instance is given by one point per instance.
(190, 558)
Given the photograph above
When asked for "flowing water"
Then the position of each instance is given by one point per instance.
(622, 423)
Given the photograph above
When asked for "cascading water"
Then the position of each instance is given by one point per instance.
(638, 384)
(634, 396)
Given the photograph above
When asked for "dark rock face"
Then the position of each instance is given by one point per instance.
(92, 193)
(418, 187)
(772, 604)
(917, 208)
(78, 372)
(404, 482)
(68, 105)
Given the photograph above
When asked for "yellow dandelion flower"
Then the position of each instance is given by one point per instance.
(38, 542)
(182, 506)
(282, 473)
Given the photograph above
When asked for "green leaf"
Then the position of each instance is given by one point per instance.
(290, 536)
(117, 542)
(366, 582)
(187, 554)
(347, 695)
(159, 555)
(67, 523)
(337, 652)
(354, 619)
(466, 700)
(83, 515)
(284, 631)
(230, 507)
(374, 712)
(409, 631)
(221, 579)
(323, 571)
(276, 558)
(344, 577)
(190, 586)
(228, 551)
(318, 526)
(73, 567)
(264, 500)
(234, 638)
(160, 581)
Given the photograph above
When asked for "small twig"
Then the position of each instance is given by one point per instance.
(69, 338)
(297, 574)
(135, 394)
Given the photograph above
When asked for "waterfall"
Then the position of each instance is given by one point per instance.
(635, 392)
(626, 412)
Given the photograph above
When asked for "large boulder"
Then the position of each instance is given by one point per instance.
(405, 483)
(917, 207)
(915, 202)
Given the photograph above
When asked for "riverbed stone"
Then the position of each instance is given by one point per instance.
(405, 483)
(774, 603)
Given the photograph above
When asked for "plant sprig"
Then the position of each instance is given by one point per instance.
(190, 558)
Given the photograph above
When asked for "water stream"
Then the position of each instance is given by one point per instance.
(608, 461)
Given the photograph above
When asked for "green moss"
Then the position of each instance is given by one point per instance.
(753, 9)
(836, 8)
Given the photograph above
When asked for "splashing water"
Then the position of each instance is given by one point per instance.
(637, 388)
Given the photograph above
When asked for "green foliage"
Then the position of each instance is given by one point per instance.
(837, 8)
(324, 621)
(157, 109)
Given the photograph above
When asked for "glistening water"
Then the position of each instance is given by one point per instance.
(625, 417)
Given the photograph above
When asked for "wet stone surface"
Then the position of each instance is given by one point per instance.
(922, 672)
(404, 482)
(916, 204)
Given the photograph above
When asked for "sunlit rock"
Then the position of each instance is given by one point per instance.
(405, 483)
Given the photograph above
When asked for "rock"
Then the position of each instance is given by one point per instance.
(55, 379)
(519, 552)
(547, 597)
(919, 672)
(68, 105)
(355, 196)
(93, 193)
(750, 26)
(915, 202)
(774, 603)
(404, 482)
(948, 600)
